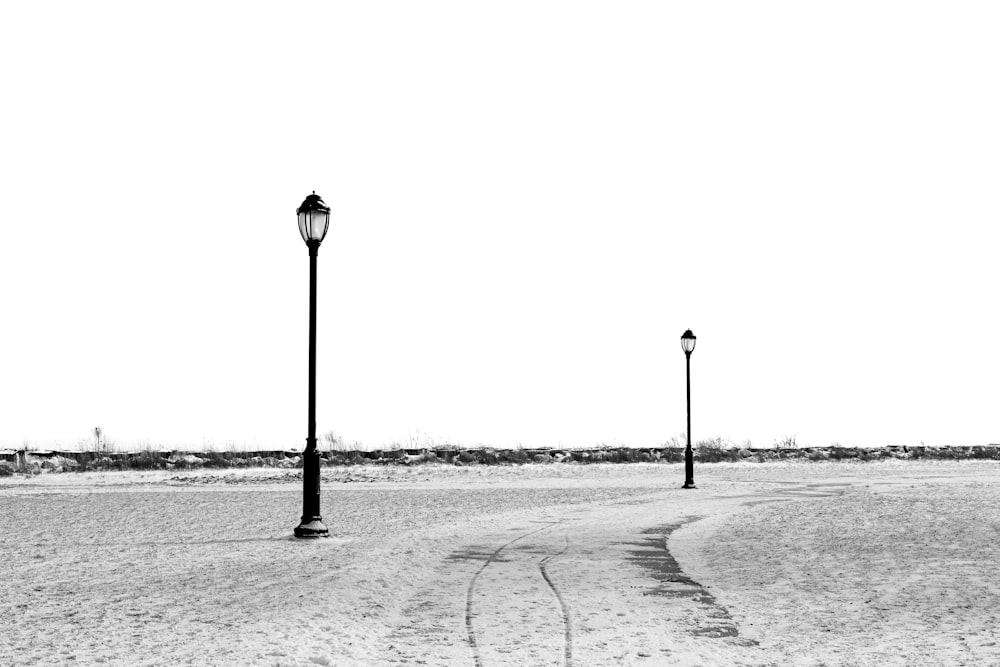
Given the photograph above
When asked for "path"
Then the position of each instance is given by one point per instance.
(583, 585)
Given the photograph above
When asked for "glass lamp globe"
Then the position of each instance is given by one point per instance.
(688, 341)
(314, 218)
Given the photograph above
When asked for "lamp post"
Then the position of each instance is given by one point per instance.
(314, 219)
(687, 344)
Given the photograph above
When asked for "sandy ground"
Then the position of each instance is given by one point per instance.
(763, 564)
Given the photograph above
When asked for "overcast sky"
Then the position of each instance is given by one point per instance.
(531, 201)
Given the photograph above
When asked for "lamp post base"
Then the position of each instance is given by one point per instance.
(689, 485)
(313, 527)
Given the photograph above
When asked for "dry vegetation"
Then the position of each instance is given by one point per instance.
(706, 451)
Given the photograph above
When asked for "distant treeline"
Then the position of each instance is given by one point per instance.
(26, 461)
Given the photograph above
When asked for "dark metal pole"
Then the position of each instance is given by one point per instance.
(312, 523)
(688, 455)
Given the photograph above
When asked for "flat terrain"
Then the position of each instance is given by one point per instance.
(763, 564)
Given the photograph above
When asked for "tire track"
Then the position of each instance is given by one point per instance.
(472, 585)
(568, 653)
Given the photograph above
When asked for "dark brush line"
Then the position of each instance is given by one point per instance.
(568, 628)
(472, 585)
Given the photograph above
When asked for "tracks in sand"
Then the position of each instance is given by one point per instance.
(509, 581)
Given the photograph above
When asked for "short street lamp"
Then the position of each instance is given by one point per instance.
(687, 344)
(314, 219)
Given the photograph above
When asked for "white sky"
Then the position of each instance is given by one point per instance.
(531, 202)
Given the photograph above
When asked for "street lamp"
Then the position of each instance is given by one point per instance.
(687, 344)
(314, 219)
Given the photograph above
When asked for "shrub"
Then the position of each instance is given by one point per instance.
(714, 450)
(672, 455)
(787, 442)
(837, 452)
(334, 441)
(489, 456)
(632, 455)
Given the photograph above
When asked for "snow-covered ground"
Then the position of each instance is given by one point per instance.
(808, 563)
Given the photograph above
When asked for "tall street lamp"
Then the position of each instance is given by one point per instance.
(314, 219)
(687, 344)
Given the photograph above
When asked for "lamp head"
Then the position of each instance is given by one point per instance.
(314, 218)
(688, 341)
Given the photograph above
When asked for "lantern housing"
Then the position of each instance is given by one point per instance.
(314, 219)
